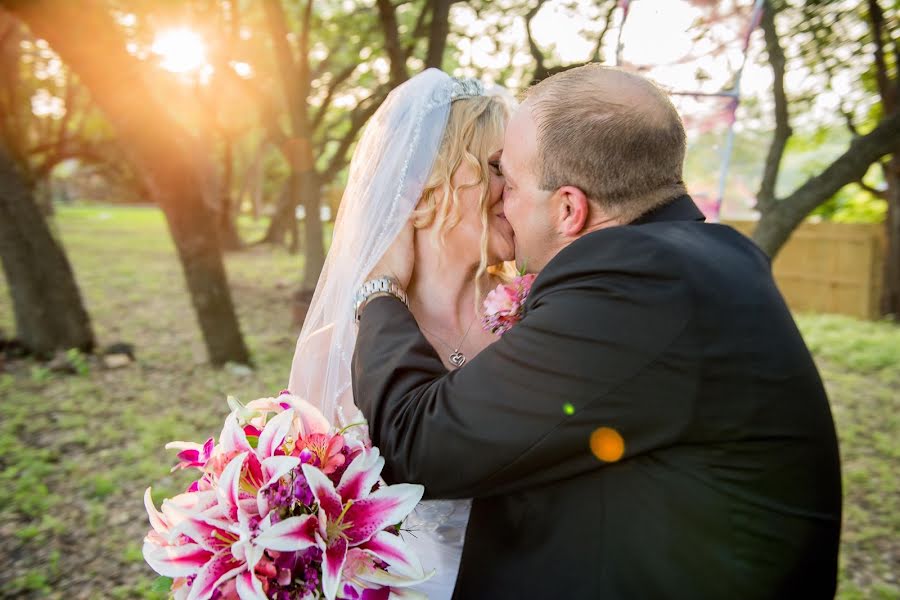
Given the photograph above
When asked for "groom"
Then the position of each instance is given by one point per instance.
(654, 426)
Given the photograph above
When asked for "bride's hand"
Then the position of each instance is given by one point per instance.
(399, 259)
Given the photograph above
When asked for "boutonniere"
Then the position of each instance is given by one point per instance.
(503, 306)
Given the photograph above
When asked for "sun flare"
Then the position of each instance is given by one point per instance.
(181, 50)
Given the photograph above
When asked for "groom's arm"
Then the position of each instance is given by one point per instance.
(523, 412)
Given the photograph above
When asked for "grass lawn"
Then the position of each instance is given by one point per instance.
(77, 452)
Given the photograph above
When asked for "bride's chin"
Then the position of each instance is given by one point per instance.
(501, 255)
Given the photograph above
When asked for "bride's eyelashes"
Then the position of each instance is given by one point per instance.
(495, 167)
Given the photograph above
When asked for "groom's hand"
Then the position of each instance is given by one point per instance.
(399, 259)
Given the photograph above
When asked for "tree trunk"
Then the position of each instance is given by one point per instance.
(889, 90)
(437, 36)
(49, 311)
(227, 226)
(779, 218)
(161, 151)
(890, 297)
(304, 181)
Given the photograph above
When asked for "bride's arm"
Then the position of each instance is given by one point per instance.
(587, 355)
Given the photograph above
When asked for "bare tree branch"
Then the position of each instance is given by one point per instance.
(62, 129)
(361, 114)
(418, 30)
(332, 88)
(395, 51)
(437, 36)
(83, 153)
(848, 119)
(874, 191)
(876, 19)
(596, 56)
(276, 22)
(303, 70)
(776, 225)
(540, 72)
(766, 194)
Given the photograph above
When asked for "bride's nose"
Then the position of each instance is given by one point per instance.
(498, 184)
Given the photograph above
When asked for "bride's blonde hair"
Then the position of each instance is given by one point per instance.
(473, 126)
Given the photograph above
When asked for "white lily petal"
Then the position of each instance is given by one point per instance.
(386, 579)
(276, 467)
(393, 550)
(217, 571)
(406, 594)
(233, 438)
(249, 587)
(386, 506)
(175, 561)
(322, 488)
(175, 510)
(229, 484)
(157, 521)
(292, 534)
(273, 434)
(362, 473)
(308, 419)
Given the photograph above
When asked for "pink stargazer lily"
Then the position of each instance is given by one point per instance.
(221, 537)
(192, 455)
(162, 549)
(364, 579)
(352, 514)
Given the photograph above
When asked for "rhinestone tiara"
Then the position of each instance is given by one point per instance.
(466, 88)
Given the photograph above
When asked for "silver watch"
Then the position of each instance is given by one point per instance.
(380, 286)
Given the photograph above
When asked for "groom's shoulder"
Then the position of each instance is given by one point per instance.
(658, 251)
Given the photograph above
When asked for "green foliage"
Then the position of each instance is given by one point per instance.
(860, 363)
(858, 346)
(78, 361)
(853, 205)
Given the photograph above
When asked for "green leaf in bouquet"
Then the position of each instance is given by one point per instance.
(253, 440)
(161, 584)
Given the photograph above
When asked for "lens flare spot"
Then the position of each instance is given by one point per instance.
(568, 409)
(607, 444)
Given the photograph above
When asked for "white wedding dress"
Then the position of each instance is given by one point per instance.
(435, 531)
(388, 172)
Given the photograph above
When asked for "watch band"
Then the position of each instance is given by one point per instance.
(377, 287)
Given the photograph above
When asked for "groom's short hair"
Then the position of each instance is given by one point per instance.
(614, 135)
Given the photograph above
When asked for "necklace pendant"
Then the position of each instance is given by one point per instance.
(457, 359)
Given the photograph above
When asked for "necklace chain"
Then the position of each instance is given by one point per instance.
(457, 358)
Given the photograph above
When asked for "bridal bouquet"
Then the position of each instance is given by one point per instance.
(285, 507)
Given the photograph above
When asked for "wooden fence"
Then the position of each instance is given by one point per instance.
(830, 267)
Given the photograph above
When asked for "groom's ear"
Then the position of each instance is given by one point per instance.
(573, 210)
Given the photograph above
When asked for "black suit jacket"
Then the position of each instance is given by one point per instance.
(671, 333)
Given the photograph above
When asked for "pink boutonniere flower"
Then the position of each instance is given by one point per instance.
(503, 305)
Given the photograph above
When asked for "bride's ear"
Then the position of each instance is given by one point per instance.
(573, 209)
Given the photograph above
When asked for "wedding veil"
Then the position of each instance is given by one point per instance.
(388, 172)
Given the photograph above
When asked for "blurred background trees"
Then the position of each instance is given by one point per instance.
(217, 110)
(836, 43)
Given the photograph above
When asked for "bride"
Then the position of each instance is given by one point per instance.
(430, 154)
